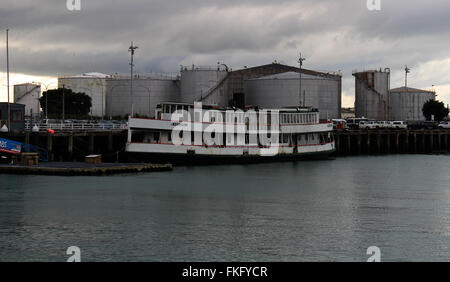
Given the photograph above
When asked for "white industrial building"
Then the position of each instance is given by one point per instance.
(272, 85)
(372, 94)
(406, 103)
(28, 94)
(283, 90)
(92, 84)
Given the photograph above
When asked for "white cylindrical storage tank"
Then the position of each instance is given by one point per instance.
(28, 94)
(91, 84)
(371, 94)
(147, 93)
(282, 90)
(407, 103)
(200, 82)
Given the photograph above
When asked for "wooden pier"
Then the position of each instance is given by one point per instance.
(74, 146)
(378, 142)
(82, 169)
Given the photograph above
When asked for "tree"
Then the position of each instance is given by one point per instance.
(76, 105)
(435, 108)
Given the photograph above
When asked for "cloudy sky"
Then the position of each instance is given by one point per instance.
(48, 40)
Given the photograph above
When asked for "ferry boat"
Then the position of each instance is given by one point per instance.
(184, 133)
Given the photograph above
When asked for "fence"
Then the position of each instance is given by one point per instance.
(77, 126)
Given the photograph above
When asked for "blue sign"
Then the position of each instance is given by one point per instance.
(10, 146)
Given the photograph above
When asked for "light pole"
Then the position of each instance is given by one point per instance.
(63, 110)
(103, 98)
(46, 97)
(132, 49)
(300, 61)
(407, 70)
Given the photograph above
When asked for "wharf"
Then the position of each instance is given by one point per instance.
(82, 169)
(379, 142)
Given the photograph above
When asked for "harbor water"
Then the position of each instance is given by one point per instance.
(304, 211)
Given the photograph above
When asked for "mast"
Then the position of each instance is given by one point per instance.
(7, 78)
(407, 70)
(300, 61)
(132, 50)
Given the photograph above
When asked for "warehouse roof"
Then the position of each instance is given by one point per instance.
(28, 84)
(288, 76)
(88, 75)
(412, 90)
(277, 68)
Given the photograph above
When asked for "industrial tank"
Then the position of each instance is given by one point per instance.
(28, 94)
(147, 93)
(92, 84)
(206, 84)
(407, 103)
(282, 90)
(372, 94)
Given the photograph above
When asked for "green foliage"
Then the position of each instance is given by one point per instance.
(436, 108)
(76, 105)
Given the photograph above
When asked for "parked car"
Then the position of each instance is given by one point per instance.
(423, 125)
(444, 125)
(353, 123)
(105, 124)
(383, 124)
(370, 124)
(398, 125)
(430, 124)
(415, 125)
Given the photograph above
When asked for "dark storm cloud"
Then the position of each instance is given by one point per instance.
(47, 39)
